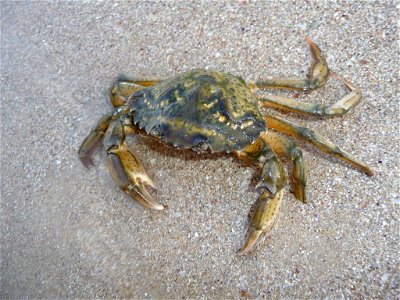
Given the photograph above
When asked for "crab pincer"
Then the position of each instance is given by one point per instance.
(126, 170)
(93, 140)
(263, 220)
(272, 180)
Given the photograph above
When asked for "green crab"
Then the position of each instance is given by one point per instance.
(218, 112)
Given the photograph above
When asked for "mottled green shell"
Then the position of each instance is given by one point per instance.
(200, 109)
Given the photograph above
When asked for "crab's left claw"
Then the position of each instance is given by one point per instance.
(264, 219)
(273, 180)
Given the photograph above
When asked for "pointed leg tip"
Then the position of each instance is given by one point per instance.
(315, 50)
(160, 207)
(253, 236)
(241, 252)
(349, 84)
(300, 194)
(308, 39)
(244, 250)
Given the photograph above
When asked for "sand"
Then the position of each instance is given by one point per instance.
(69, 232)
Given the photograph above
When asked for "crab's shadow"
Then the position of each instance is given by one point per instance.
(168, 150)
(188, 155)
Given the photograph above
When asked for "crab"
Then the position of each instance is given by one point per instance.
(213, 111)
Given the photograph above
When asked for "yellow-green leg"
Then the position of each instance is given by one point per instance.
(126, 170)
(122, 89)
(317, 76)
(283, 145)
(337, 109)
(273, 180)
(317, 140)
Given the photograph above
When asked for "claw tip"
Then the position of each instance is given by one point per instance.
(160, 207)
(252, 237)
(86, 161)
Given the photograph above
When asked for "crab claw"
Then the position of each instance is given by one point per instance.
(87, 148)
(264, 219)
(131, 177)
(141, 195)
(126, 170)
(93, 140)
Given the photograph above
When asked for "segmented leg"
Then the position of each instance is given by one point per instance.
(122, 89)
(273, 180)
(125, 168)
(317, 140)
(317, 76)
(283, 145)
(337, 109)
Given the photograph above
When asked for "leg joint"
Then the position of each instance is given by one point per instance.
(307, 133)
(296, 153)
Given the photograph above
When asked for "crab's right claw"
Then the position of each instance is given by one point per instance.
(93, 140)
(87, 148)
(125, 168)
(131, 177)
(264, 219)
